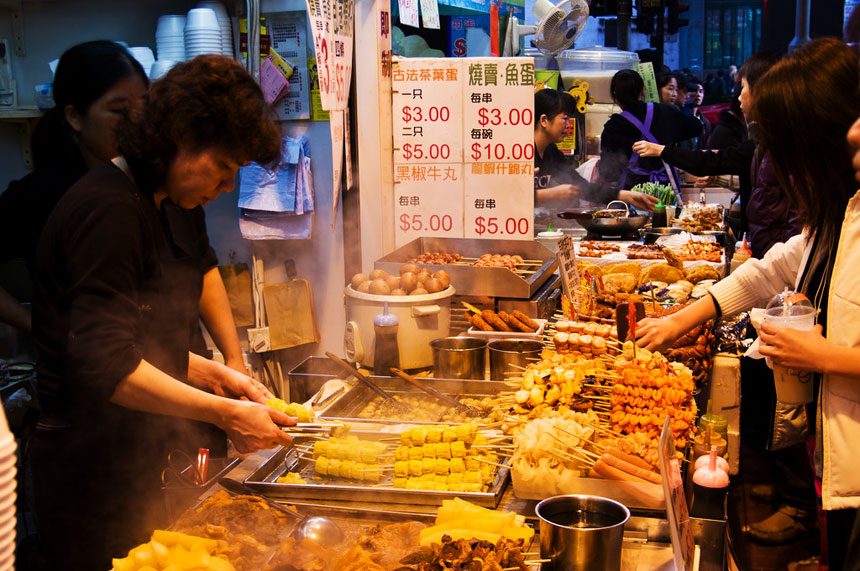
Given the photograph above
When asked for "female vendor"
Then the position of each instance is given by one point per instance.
(115, 299)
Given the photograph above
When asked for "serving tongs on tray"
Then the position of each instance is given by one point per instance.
(451, 401)
(388, 399)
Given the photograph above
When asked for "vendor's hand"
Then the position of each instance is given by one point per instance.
(240, 386)
(566, 190)
(638, 199)
(702, 181)
(657, 334)
(646, 149)
(251, 426)
(793, 348)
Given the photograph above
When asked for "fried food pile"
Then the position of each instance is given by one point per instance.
(489, 320)
(651, 388)
(467, 555)
(367, 548)
(247, 526)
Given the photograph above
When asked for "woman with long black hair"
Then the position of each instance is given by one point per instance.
(814, 165)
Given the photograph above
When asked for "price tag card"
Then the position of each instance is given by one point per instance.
(428, 201)
(498, 109)
(567, 267)
(428, 112)
(499, 200)
(680, 527)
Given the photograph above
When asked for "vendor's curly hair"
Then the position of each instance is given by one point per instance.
(208, 103)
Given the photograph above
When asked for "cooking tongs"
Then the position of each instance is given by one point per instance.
(470, 410)
(347, 368)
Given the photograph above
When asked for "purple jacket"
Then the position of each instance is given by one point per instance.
(770, 215)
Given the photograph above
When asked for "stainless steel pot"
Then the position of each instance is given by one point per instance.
(506, 352)
(458, 357)
(581, 532)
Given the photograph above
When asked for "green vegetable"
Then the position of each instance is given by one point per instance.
(663, 192)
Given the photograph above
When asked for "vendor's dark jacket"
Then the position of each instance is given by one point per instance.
(669, 126)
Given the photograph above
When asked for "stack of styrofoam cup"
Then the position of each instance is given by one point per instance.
(202, 34)
(170, 37)
(8, 494)
(143, 55)
(224, 24)
(160, 67)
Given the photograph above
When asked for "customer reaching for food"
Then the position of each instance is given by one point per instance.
(820, 263)
(766, 212)
(115, 300)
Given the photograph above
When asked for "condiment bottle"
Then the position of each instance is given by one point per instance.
(714, 422)
(386, 352)
(658, 219)
(710, 486)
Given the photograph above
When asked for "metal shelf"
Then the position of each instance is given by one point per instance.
(19, 113)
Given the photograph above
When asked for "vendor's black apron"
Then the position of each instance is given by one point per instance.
(97, 479)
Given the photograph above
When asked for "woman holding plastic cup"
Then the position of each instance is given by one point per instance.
(814, 162)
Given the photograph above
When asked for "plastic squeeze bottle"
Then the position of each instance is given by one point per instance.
(386, 351)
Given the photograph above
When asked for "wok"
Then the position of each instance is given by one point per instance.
(613, 226)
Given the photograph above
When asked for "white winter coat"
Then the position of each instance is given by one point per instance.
(755, 282)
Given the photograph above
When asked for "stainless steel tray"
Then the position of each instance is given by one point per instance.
(471, 280)
(286, 459)
(348, 406)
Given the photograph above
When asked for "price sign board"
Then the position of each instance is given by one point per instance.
(463, 147)
(428, 201)
(428, 111)
(498, 200)
(567, 268)
(498, 109)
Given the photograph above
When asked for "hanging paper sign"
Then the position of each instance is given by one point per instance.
(337, 135)
(430, 14)
(288, 32)
(332, 26)
(408, 12)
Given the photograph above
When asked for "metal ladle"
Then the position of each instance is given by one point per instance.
(322, 530)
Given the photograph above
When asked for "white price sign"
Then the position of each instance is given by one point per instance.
(428, 201)
(498, 109)
(499, 200)
(427, 111)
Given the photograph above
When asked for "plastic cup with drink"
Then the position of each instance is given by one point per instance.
(790, 309)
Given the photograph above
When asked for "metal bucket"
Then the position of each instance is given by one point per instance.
(580, 532)
(458, 357)
(505, 352)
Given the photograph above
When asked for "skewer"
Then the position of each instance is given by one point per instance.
(568, 456)
(488, 462)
